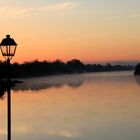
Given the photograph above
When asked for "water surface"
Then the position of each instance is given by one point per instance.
(95, 106)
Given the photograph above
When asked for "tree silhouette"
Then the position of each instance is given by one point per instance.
(41, 68)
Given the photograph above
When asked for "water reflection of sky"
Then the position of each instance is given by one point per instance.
(103, 107)
(137, 78)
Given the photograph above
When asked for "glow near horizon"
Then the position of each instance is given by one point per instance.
(97, 30)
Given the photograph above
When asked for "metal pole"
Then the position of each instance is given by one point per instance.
(8, 101)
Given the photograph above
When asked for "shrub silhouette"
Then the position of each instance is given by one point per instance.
(137, 70)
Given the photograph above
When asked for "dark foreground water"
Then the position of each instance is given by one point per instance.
(99, 106)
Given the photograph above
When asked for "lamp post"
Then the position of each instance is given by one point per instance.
(8, 49)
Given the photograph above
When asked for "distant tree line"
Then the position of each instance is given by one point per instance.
(42, 68)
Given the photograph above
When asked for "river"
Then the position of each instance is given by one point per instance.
(92, 106)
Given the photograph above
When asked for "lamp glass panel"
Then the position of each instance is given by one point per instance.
(4, 50)
(8, 50)
(12, 50)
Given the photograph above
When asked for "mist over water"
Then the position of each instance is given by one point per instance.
(74, 80)
(93, 106)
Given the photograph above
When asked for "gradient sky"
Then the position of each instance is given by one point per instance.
(90, 30)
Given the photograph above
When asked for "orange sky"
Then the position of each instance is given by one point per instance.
(91, 31)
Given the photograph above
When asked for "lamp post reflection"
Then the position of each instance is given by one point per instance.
(8, 49)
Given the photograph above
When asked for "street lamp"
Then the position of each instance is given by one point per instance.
(8, 49)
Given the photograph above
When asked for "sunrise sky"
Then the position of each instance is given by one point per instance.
(89, 30)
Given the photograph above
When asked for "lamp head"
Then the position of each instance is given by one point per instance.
(8, 47)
